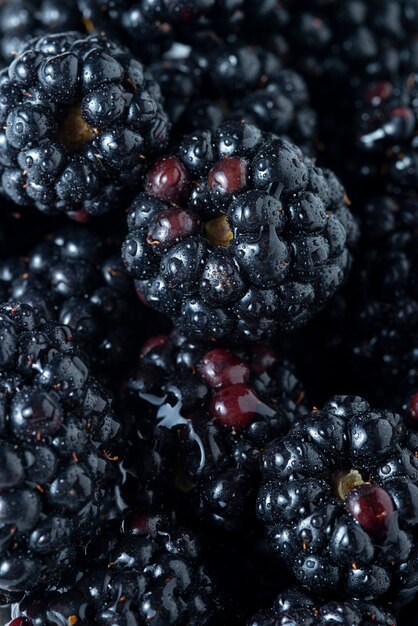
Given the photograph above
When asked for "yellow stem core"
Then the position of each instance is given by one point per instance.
(218, 231)
(75, 130)
(346, 481)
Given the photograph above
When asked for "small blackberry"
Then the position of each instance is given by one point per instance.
(206, 412)
(76, 277)
(80, 118)
(22, 20)
(238, 235)
(57, 429)
(339, 501)
(149, 572)
(295, 607)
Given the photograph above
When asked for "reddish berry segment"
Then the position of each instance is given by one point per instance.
(170, 226)
(228, 176)
(412, 414)
(263, 357)
(153, 342)
(378, 92)
(168, 180)
(372, 507)
(235, 406)
(220, 368)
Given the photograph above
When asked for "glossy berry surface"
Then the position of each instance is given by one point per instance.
(76, 277)
(206, 413)
(22, 20)
(339, 501)
(149, 570)
(295, 606)
(78, 128)
(57, 432)
(239, 235)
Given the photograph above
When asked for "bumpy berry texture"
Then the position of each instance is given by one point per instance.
(76, 277)
(351, 39)
(339, 501)
(80, 118)
(149, 572)
(238, 235)
(206, 413)
(159, 23)
(203, 86)
(384, 319)
(385, 134)
(57, 430)
(295, 607)
(22, 20)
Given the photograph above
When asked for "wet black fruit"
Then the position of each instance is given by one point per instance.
(80, 117)
(57, 430)
(201, 415)
(238, 235)
(339, 501)
(148, 572)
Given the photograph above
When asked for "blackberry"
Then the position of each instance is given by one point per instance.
(295, 606)
(339, 501)
(349, 40)
(201, 88)
(150, 571)
(261, 242)
(57, 432)
(22, 20)
(160, 22)
(76, 277)
(205, 413)
(384, 317)
(80, 118)
(385, 133)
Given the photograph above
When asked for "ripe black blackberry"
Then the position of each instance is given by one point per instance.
(385, 134)
(76, 277)
(351, 39)
(57, 430)
(238, 235)
(80, 117)
(22, 20)
(339, 501)
(238, 81)
(158, 23)
(295, 607)
(206, 412)
(148, 572)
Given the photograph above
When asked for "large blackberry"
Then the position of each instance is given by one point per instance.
(57, 432)
(150, 572)
(295, 607)
(76, 277)
(22, 20)
(339, 501)
(238, 235)
(206, 412)
(80, 118)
